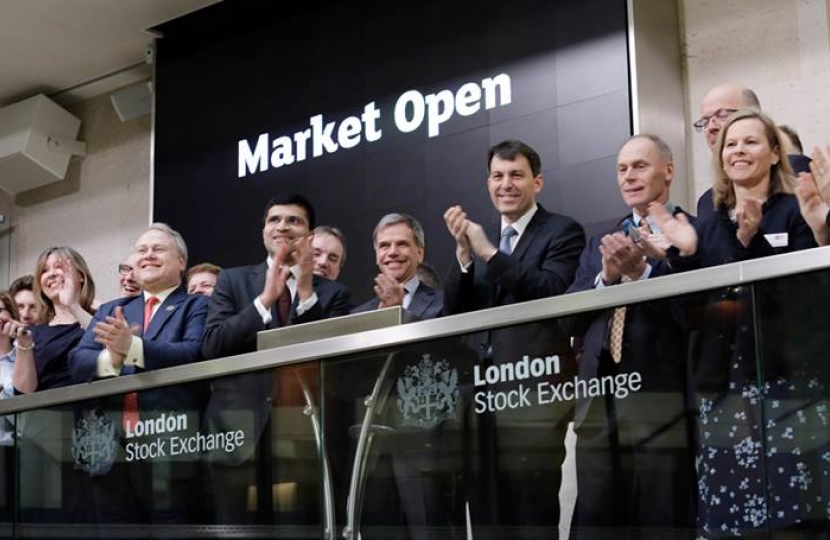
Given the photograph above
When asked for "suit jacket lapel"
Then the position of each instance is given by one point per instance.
(134, 312)
(420, 300)
(529, 233)
(164, 312)
(256, 281)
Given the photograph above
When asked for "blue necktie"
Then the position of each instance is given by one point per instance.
(506, 236)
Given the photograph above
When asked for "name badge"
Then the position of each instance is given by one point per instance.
(778, 239)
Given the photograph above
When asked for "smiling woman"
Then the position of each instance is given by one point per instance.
(65, 291)
(756, 215)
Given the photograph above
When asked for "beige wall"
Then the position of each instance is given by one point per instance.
(779, 48)
(101, 207)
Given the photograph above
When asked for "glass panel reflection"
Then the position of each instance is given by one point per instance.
(713, 423)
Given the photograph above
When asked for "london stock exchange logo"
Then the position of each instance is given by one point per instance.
(94, 443)
(427, 393)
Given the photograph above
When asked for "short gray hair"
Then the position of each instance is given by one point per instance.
(394, 219)
(178, 239)
(662, 147)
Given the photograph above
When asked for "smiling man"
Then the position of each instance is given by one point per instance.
(128, 287)
(279, 292)
(634, 460)
(399, 249)
(536, 257)
(161, 327)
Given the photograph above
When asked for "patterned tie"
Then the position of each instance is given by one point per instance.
(617, 329)
(130, 416)
(506, 236)
(284, 305)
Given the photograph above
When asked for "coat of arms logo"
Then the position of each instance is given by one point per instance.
(94, 443)
(427, 393)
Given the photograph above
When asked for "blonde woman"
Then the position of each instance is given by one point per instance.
(64, 291)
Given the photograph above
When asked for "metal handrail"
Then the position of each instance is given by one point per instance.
(663, 287)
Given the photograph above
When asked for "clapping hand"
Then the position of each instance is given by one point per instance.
(116, 335)
(676, 229)
(748, 215)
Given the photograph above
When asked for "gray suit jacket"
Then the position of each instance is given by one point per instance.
(427, 303)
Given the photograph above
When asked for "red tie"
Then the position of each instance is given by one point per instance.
(130, 416)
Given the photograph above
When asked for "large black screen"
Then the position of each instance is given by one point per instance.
(252, 99)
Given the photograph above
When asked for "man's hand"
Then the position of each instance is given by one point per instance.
(677, 230)
(457, 222)
(479, 242)
(748, 215)
(813, 208)
(304, 258)
(276, 277)
(654, 245)
(116, 335)
(620, 257)
(389, 292)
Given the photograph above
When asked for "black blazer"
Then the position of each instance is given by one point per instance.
(427, 303)
(542, 265)
(233, 321)
(718, 243)
(723, 320)
(245, 401)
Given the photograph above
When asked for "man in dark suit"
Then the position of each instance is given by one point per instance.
(521, 449)
(634, 458)
(161, 327)
(245, 299)
(399, 249)
(279, 292)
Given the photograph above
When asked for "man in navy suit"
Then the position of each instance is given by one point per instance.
(399, 249)
(634, 457)
(536, 257)
(278, 292)
(117, 343)
(161, 327)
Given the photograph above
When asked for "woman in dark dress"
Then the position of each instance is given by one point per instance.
(64, 291)
(754, 469)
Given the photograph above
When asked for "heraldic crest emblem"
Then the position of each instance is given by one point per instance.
(94, 443)
(427, 393)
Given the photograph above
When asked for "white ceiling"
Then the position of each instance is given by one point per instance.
(76, 49)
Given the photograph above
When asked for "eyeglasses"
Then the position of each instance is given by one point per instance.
(124, 269)
(720, 115)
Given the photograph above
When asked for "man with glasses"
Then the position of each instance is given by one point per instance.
(716, 106)
(127, 284)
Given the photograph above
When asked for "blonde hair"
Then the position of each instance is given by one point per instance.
(87, 292)
(782, 177)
